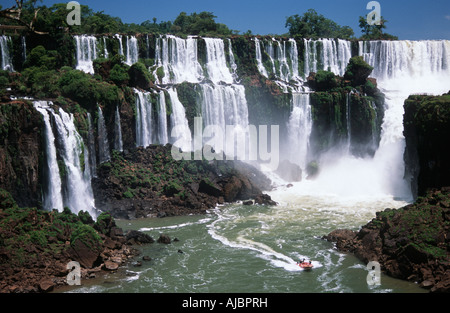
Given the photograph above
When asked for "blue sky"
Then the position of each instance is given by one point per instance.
(407, 19)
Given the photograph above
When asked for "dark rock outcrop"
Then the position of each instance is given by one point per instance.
(149, 182)
(36, 246)
(411, 243)
(427, 156)
(20, 150)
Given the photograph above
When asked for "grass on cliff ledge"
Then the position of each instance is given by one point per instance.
(424, 224)
(27, 234)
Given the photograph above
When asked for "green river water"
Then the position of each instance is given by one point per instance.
(254, 249)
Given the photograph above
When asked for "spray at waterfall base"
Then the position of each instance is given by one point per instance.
(247, 143)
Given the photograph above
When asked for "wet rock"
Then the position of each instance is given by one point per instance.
(165, 239)
(138, 237)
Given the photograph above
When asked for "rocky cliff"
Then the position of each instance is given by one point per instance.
(427, 155)
(20, 151)
(146, 182)
(411, 243)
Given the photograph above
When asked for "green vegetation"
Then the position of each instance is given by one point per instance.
(28, 233)
(314, 25)
(374, 32)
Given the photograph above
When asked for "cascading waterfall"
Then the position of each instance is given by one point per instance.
(260, 64)
(132, 50)
(403, 68)
(348, 120)
(6, 58)
(299, 129)
(65, 150)
(326, 54)
(183, 137)
(119, 38)
(283, 60)
(178, 59)
(52, 198)
(118, 142)
(163, 136)
(222, 99)
(86, 52)
(103, 143)
(216, 63)
(105, 49)
(143, 118)
(91, 145)
(222, 105)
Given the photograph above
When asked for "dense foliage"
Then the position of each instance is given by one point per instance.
(314, 25)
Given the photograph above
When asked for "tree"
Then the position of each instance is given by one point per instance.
(374, 32)
(21, 14)
(199, 24)
(314, 25)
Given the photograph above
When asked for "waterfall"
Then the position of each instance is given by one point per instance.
(118, 142)
(24, 48)
(103, 144)
(282, 63)
(52, 197)
(283, 59)
(6, 63)
(222, 104)
(163, 137)
(91, 145)
(132, 50)
(178, 118)
(119, 37)
(348, 120)
(403, 68)
(299, 129)
(105, 49)
(143, 118)
(86, 53)
(259, 61)
(326, 54)
(216, 62)
(68, 176)
(178, 59)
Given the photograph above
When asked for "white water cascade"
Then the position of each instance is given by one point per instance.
(91, 145)
(132, 50)
(119, 38)
(65, 150)
(118, 142)
(143, 118)
(86, 52)
(403, 68)
(299, 129)
(52, 198)
(6, 58)
(163, 136)
(103, 143)
(326, 54)
(223, 104)
(178, 58)
(282, 61)
(183, 137)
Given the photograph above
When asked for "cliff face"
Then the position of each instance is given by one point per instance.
(20, 151)
(427, 155)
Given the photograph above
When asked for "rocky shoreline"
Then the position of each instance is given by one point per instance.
(36, 247)
(411, 243)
